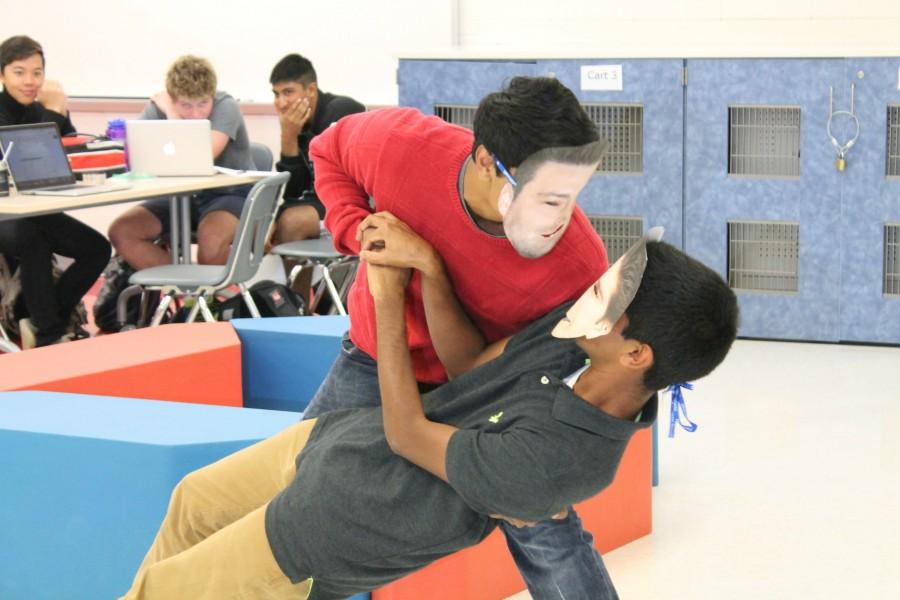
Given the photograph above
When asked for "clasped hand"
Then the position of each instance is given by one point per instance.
(387, 241)
(390, 249)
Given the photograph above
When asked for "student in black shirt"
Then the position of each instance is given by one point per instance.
(304, 111)
(31, 242)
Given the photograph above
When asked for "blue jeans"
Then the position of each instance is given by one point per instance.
(556, 558)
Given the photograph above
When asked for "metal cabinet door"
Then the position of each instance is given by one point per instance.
(639, 185)
(762, 196)
(870, 190)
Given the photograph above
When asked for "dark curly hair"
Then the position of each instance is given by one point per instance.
(530, 114)
(685, 312)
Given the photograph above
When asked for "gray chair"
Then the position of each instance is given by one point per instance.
(200, 281)
(6, 344)
(262, 156)
(338, 271)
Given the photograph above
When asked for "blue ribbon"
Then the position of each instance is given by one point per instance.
(679, 409)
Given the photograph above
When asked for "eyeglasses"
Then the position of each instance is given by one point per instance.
(512, 180)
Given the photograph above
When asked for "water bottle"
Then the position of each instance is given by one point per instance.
(115, 130)
(4, 175)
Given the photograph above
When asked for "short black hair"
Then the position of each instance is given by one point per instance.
(685, 312)
(527, 115)
(587, 154)
(293, 67)
(19, 47)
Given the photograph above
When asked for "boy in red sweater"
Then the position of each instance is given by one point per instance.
(499, 208)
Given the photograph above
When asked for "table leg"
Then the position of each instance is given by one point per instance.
(185, 202)
(174, 229)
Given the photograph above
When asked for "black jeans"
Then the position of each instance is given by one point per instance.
(32, 241)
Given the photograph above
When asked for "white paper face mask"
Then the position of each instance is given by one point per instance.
(536, 216)
(603, 304)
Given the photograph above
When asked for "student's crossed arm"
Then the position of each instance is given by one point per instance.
(344, 176)
(165, 104)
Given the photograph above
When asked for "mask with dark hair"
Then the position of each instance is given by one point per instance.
(603, 304)
(536, 213)
(529, 114)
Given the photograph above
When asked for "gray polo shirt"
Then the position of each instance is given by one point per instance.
(358, 516)
(226, 118)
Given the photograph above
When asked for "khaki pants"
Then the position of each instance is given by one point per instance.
(212, 543)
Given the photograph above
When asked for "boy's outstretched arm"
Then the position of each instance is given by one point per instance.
(409, 433)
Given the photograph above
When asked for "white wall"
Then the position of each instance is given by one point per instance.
(123, 47)
(681, 28)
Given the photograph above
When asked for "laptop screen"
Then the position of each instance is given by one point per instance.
(37, 159)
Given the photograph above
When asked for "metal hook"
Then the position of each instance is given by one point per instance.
(842, 149)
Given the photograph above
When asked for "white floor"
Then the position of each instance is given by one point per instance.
(789, 488)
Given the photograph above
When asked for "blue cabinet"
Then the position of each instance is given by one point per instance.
(870, 207)
(649, 190)
(738, 167)
(762, 198)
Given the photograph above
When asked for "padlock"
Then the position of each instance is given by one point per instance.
(841, 164)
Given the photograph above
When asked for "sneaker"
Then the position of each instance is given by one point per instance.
(27, 334)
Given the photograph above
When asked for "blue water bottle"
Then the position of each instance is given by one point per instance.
(115, 130)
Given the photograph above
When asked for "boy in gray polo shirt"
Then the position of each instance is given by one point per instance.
(355, 499)
(191, 94)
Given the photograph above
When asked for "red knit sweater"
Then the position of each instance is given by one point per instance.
(410, 164)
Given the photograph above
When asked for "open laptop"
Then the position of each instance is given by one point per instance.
(176, 147)
(38, 163)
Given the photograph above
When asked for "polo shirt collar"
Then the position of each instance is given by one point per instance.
(568, 408)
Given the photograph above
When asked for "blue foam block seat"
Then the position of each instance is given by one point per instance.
(284, 359)
(85, 482)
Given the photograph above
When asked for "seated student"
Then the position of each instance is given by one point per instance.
(358, 498)
(32, 241)
(191, 94)
(304, 111)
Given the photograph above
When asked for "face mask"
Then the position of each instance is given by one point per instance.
(603, 304)
(537, 213)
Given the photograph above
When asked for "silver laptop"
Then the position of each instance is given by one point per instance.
(38, 163)
(170, 147)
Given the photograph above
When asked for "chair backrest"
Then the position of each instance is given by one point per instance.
(249, 243)
(262, 156)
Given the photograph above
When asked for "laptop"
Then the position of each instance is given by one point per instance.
(38, 163)
(176, 147)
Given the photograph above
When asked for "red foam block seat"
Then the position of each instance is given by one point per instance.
(194, 362)
(619, 514)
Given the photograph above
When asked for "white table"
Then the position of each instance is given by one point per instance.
(177, 189)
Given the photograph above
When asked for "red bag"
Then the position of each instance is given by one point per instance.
(89, 154)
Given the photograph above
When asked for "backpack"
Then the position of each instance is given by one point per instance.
(272, 299)
(115, 279)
